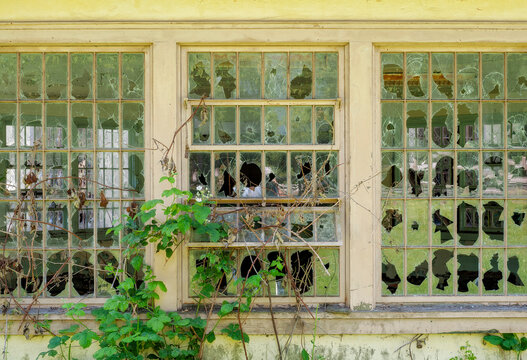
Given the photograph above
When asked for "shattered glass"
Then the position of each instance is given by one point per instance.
(275, 75)
(56, 215)
(492, 269)
(201, 125)
(8, 175)
(392, 82)
(31, 168)
(56, 173)
(7, 211)
(467, 75)
(517, 125)
(106, 281)
(81, 76)
(417, 222)
(82, 172)
(516, 222)
(31, 277)
(327, 173)
(327, 284)
(492, 76)
(492, 125)
(392, 125)
(109, 174)
(133, 75)
(56, 125)
(418, 174)
(301, 75)
(302, 271)
(392, 270)
(517, 75)
(224, 125)
(325, 127)
(301, 124)
(417, 272)
(225, 174)
(277, 285)
(56, 76)
(468, 220)
(199, 170)
(517, 271)
(468, 174)
(133, 125)
(199, 72)
(442, 269)
(493, 179)
(442, 76)
(9, 287)
(31, 125)
(106, 218)
(392, 174)
(224, 75)
(302, 174)
(250, 125)
(275, 124)
(198, 262)
(81, 125)
(56, 274)
(467, 272)
(8, 125)
(517, 177)
(493, 224)
(82, 224)
(326, 227)
(468, 125)
(107, 71)
(30, 76)
(442, 124)
(108, 125)
(30, 232)
(276, 174)
(302, 227)
(326, 75)
(251, 175)
(442, 222)
(392, 221)
(250, 75)
(416, 125)
(83, 281)
(442, 174)
(8, 76)
(417, 76)
(133, 174)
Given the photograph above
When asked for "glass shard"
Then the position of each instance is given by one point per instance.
(82, 273)
(325, 127)
(326, 75)
(224, 124)
(224, 75)
(417, 272)
(327, 272)
(57, 175)
(467, 272)
(31, 125)
(108, 125)
(30, 76)
(302, 263)
(468, 174)
(275, 75)
(493, 224)
(442, 268)
(107, 76)
(443, 221)
(468, 125)
(133, 125)
(82, 224)
(493, 174)
(392, 222)
(416, 125)
(8, 175)
(467, 75)
(517, 75)
(517, 178)
(133, 74)
(199, 71)
(276, 174)
(8, 76)
(56, 76)
(517, 125)
(417, 75)
(492, 268)
(250, 75)
(225, 174)
(201, 125)
(81, 126)
(250, 125)
(275, 124)
(56, 125)
(417, 223)
(492, 75)
(392, 266)
(392, 76)
(81, 76)
(516, 223)
(443, 174)
(251, 175)
(8, 114)
(442, 124)
(109, 174)
(468, 222)
(301, 124)
(199, 163)
(327, 174)
(443, 75)
(301, 174)
(418, 177)
(57, 219)
(133, 174)
(492, 125)
(392, 174)
(392, 125)
(301, 75)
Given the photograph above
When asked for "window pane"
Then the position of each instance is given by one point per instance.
(224, 75)
(56, 76)
(107, 76)
(133, 125)
(250, 75)
(199, 71)
(133, 74)
(250, 125)
(8, 125)
(275, 124)
(57, 126)
(224, 125)
(326, 75)
(8, 76)
(468, 76)
(301, 124)
(275, 75)
(301, 75)
(81, 76)
(443, 75)
(492, 73)
(417, 76)
(30, 76)
(392, 76)
(81, 125)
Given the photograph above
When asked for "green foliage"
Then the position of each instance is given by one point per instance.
(130, 325)
(508, 342)
(465, 353)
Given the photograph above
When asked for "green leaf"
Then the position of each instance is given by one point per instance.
(105, 352)
(493, 339)
(305, 355)
(227, 308)
(523, 344)
(84, 338)
(147, 215)
(152, 285)
(72, 329)
(233, 331)
(201, 213)
(508, 344)
(137, 262)
(150, 204)
(509, 336)
(170, 179)
(55, 341)
(211, 337)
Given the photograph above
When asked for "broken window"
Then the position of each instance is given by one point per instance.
(81, 121)
(264, 143)
(453, 173)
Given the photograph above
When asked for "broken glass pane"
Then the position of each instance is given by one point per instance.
(327, 284)
(325, 127)
(251, 223)
(492, 75)
(57, 215)
(251, 175)
(133, 76)
(301, 75)
(8, 76)
(517, 125)
(493, 179)
(442, 269)
(250, 75)
(199, 166)
(56, 174)
(224, 75)
(442, 124)
(56, 76)
(392, 270)
(198, 75)
(417, 222)
(327, 173)
(108, 174)
(468, 219)
(392, 221)
(516, 222)
(418, 174)
(31, 277)
(277, 285)
(57, 274)
(133, 125)
(442, 223)
(8, 178)
(133, 174)
(275, 75)
(82, 173)
(392, 174)
(218, 279)
(82, 224)
(326, 75)
(7, 210)
(492, 120)
(201, 125)
(492, 269)
(467, 174)
(225, 125)
(301, 174)
(417, 75)
(276, 174)
(467, 75)
(31, 125)
(301, 124)
(250, 125)
(392, 125)
(417, 272)
(108, 125)
(302, 226)
(8, 125)
(517, 75)
(493, 222)
(56, 125)
(442, 174)
(416, 125)
(81, 76)
(107, 281)
(517, 178)
(392, 76)
(225, 174)
(107, 218)
(326, 226)
(517, 271)
(468, 125)
(30, 76)
(275, 124)
(9, 285)
(82, 274)
(443, 76)
(81, 125)
(31, 228)
(31, 173)
(302, 266)
(107, 76)
(467, 271)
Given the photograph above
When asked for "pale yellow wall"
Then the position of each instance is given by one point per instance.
(272, 10)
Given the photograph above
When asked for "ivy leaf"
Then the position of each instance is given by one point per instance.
(233, 331)
(201, 213)
(523, 344)
(137, 262)
(227, 308)
(150, 204)
(55, 341)
(84, 338)
(211, 337)
(493, 339)
(157, 323)
(105, 352)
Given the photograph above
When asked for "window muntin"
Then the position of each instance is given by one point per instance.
(269, 126)
(67, 116)
(451, 192)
